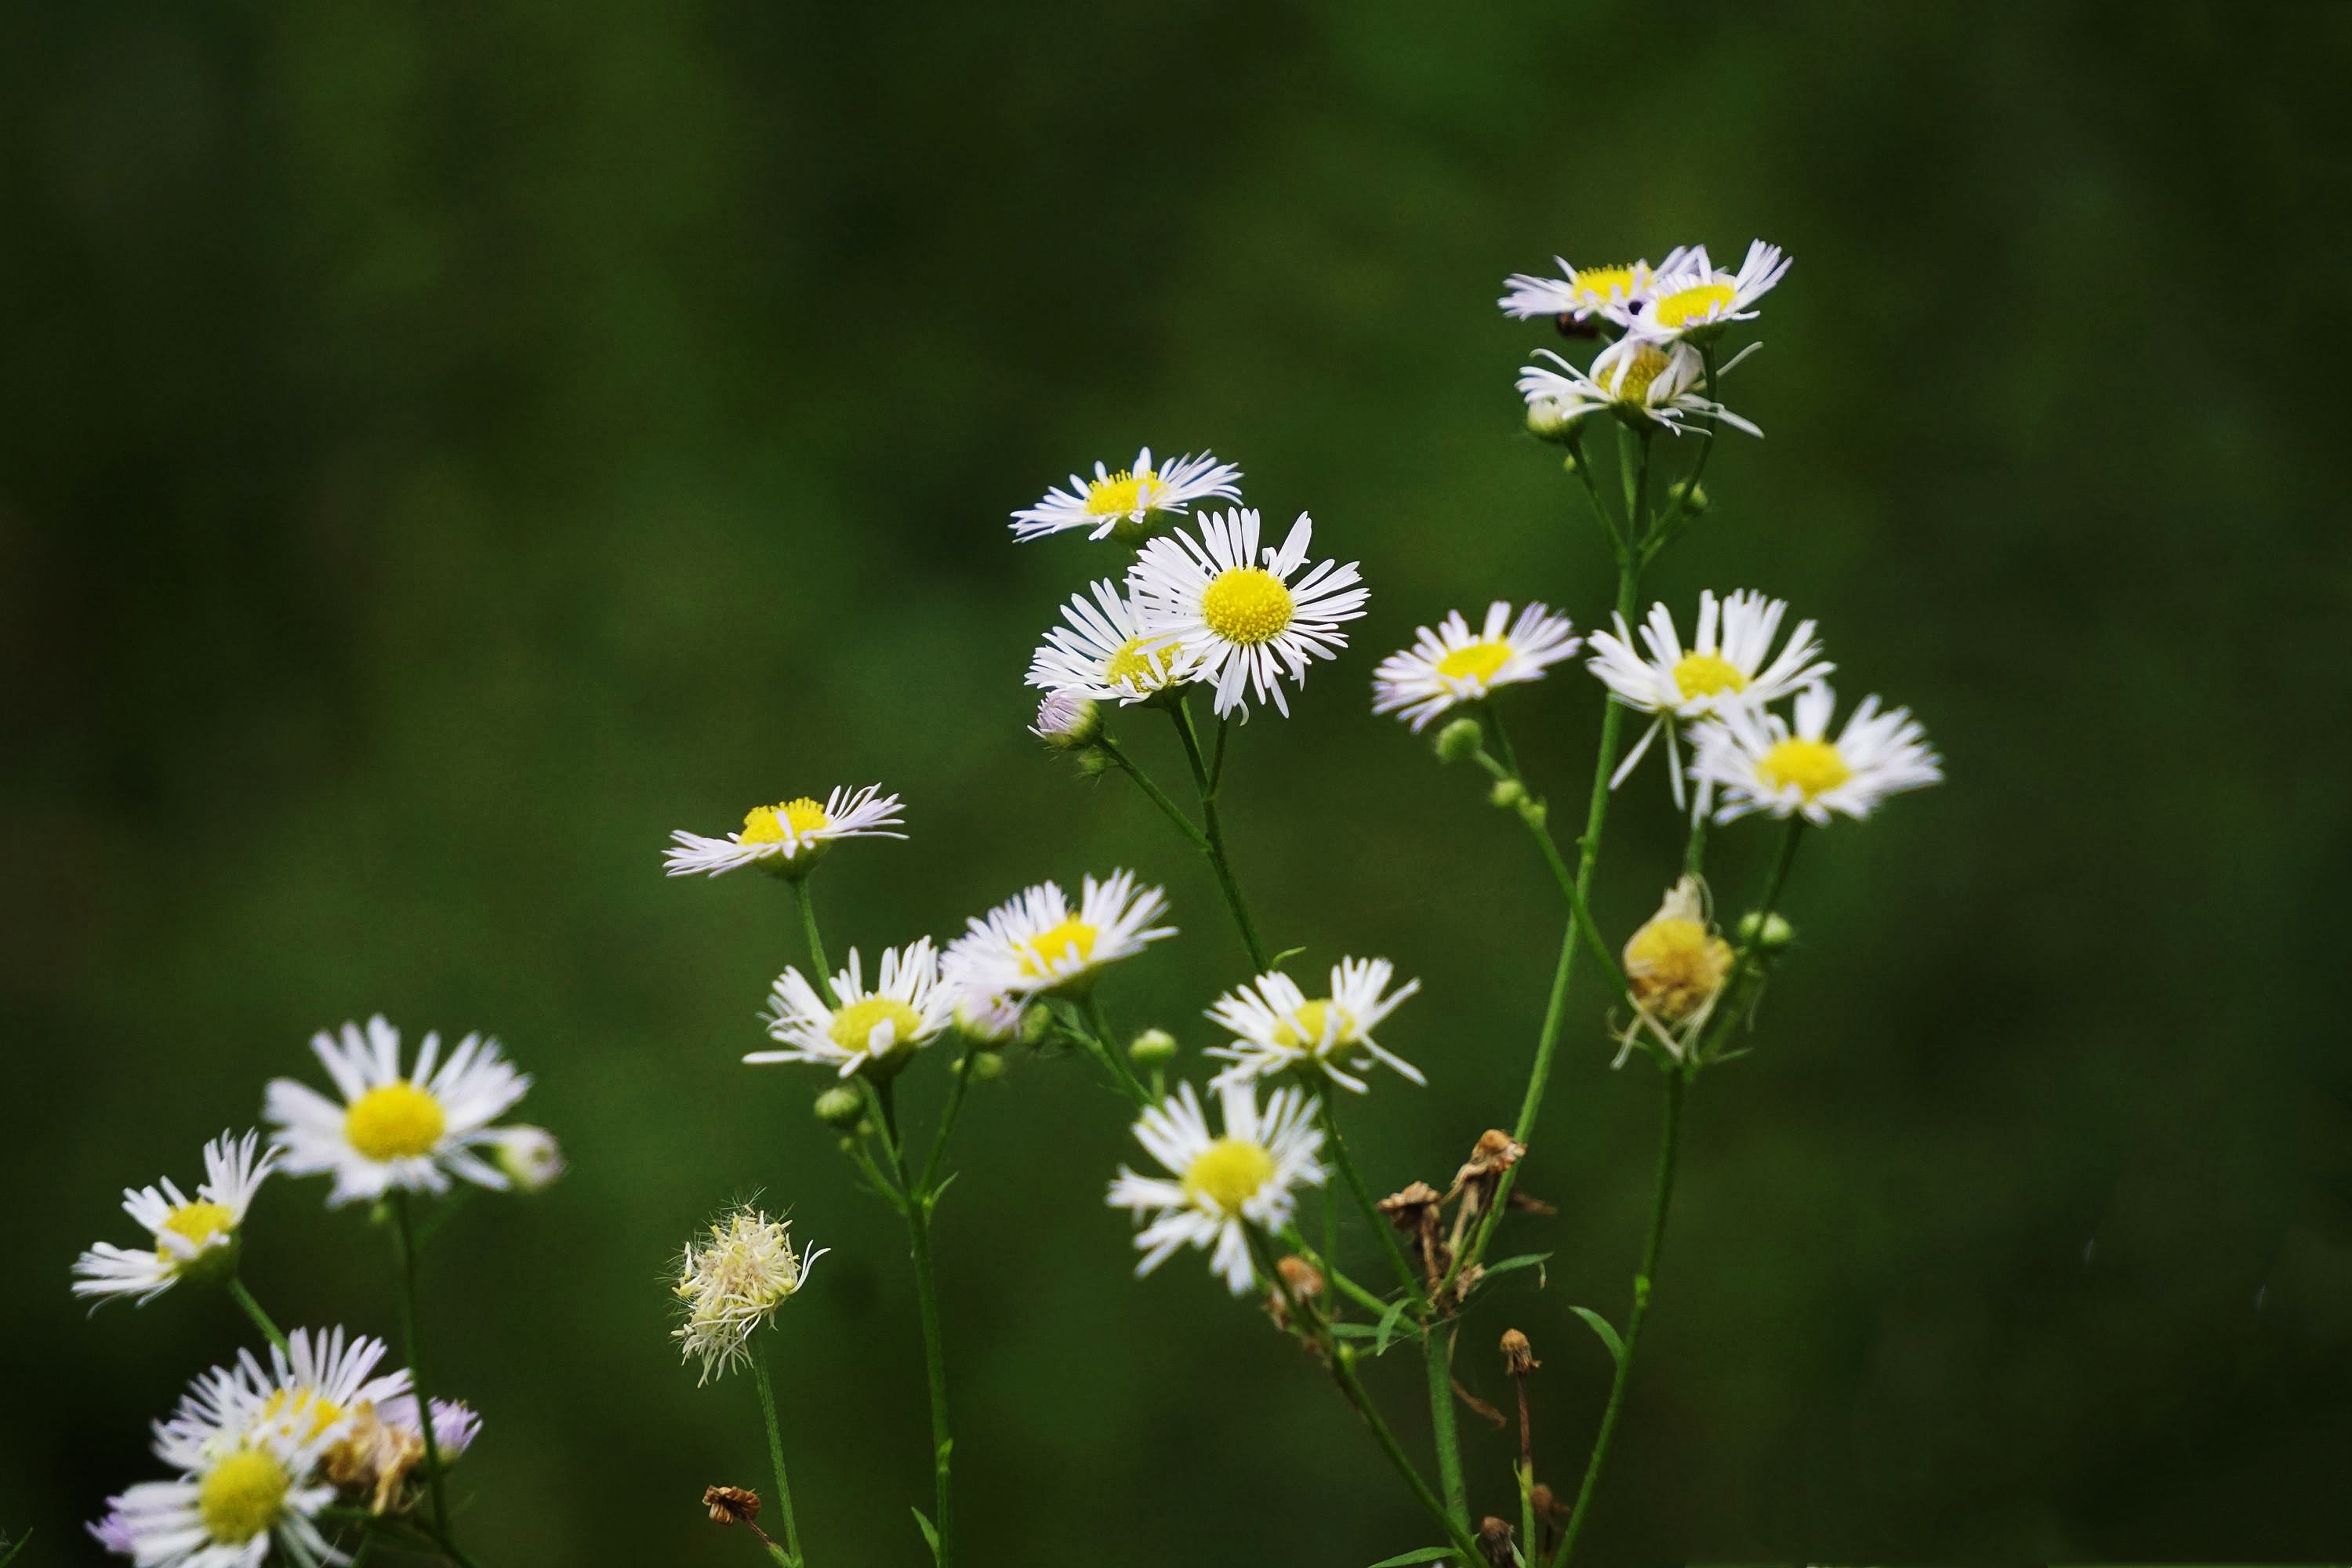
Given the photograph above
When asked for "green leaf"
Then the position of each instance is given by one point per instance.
(10, 1555)
(1388, 1326)
(930, 1536)
(1276, 961)
(1599, 1325)
(1426, 1555)
(1524, 1260)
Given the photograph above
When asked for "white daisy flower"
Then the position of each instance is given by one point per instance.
(1032, 942)
(1578, 293)
(1689, 298)
(1243, 1177)
(733, 1283)
(1238, 623)
(413, 1132)
(315, 1386)
(1128, 503)
(1762, 763)
(194, 1237)
(112, 1532)
(1453, 664)
(1276, 1026)
(789, 837)
(1103, 652)
(878, 1028)
(1729, 664)
(1639, 381)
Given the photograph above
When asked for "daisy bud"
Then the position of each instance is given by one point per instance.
(1674, 964)
(1153, 1048)
(991, 1020)
(1771, 932)
(840, 1106)
(1092, 762)
(985, 1067)
(1036, 1024)
(1460, 740)
(530, 1156)
(1067, 720)
(1690, 497)
(1549, 421)
(1508, 794)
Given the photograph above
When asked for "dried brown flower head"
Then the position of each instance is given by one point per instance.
(731, 1505)
(1518, 1355)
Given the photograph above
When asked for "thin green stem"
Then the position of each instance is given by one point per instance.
(1332, 1274)
(1437, 1354)
(927, 1301)
(1108, 1051)
(405, 1233)
(1748, 964)
(1694, 847)
(1661, 1199)
(1154, 794)
(776, 1455)
(244, 1298)
(1207, 784)
(1372, 1214)
(1671, 525)
(956, 1092)
(807, 907)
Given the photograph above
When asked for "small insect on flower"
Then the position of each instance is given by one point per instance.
(733, 1283)
(1690, 300)
(1454, 664)
(1233, 613)
(1248, 1176)
(1128, 504)
(1729, 664)
(872, 1030)
(1033, 943)
(194, 1238)
(1103, 652)
(788, 838)
(394, 1130)
(1643, 384)
(1577, 295)
(1276, 1026)
(1764, 763)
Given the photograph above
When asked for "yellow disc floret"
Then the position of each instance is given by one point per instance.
(1628, 381)
(854, 1025)
(243, 1496)
(1600, 285)
(394, 1122)
(1306, 1026)
(1072, 939)
(1687, 307)
(766, 824)
(313, 1410)
(1475, 661)
(1227, 1175)
(1247, 605)
(1132, 663)
(1673, 965)
(1707, 675)
(1813, 766)
(198, 1222)
(1122, 493)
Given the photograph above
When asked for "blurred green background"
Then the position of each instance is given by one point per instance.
(442, 451)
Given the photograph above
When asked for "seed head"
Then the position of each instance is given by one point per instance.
(733, 1283)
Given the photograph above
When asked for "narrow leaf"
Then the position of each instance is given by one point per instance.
(1524, 1260)
(930, 1536)
(10, 1555)
(1388, 1326)
(1426, 1555)
(1599, 1325)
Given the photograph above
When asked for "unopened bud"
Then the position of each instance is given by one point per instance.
(991, 1020)
(1092, 762)
(1550, 421)
(1067, 720)
(1494, 1542)
(1692, 498)
(731, 1505)
(1535, 813)
(1151, 1049)
(1508, 794)
(840, 1106)
(985, 1067)
(1462, 738)
(530, 1156)
(1518, 1356)
(1769, 932)
(1036, 1023)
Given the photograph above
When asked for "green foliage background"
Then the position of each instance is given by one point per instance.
(444, 449)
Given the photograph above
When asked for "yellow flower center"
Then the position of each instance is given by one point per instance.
(854, 1025)
(1227, 1174)
(1246, 605)
(198, 1222)
(323, 1413)
(1674, 964)
(1686, 306)
(1707, 675)
(243, 1496)
(1305, 1027)
(1629, 379)
(394, 1122)
(765, 824)
(1047, 948)
(1123, 492)
(1130, 663)
(1477, 661)
(1600, 285)
(1813, 766)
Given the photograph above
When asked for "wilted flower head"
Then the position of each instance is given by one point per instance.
(1675, 964)
(733, 1283)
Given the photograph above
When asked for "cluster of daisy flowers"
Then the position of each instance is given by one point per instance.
(257, 1449)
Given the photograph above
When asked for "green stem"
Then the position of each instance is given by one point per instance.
(1671, 525)
(404, 1233)
(1207, 784)
(1748, 964)
(1437, 1353)
(776, 1455)
(244, 1298)
(956, 1092)
(1372, 1214)
(807, 907)
(1694, 847)
(1157, 795)
(1107, 1052)
(1662, 1197)
(927, 1301)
